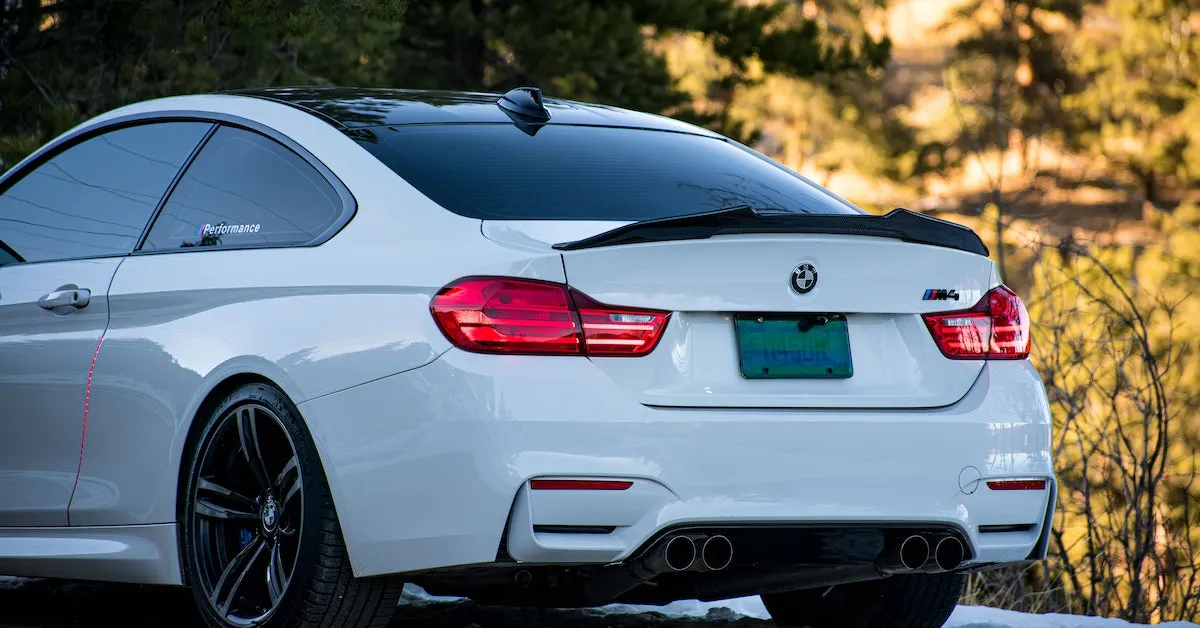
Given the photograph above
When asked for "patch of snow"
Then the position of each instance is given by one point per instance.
(414, 594)
(963, 617)
(983, 617)
(752, 607)
(738, 607)
(8, 583)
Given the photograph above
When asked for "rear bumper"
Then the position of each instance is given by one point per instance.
(430, 468)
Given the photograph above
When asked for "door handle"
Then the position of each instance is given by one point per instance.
(77, 298)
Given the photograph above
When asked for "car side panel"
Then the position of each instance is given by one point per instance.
(45, 357)
(169, 346)
(314, 320)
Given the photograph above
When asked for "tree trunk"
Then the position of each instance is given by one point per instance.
(1149, 186)
(471, 50)
(1001, 138)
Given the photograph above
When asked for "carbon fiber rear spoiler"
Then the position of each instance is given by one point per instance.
(900, 224)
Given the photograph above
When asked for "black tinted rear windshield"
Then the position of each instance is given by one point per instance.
(498, 172)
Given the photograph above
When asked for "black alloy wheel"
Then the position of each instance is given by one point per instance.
(260, 541)
(247, 514)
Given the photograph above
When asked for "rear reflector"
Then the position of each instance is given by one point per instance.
(579, 485)
(527, 317)
(996, 328)
(1017, 485)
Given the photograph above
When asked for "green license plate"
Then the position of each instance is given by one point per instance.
(799, 346)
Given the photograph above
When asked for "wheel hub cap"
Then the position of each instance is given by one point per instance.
(270, 514)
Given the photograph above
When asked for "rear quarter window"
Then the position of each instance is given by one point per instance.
(566, 172)
(245, 190)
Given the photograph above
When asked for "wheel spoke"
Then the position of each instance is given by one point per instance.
(247, 425)
(217, 502)
(289, 488)
(210, 491)
(236, 569)
(205, 508)
(292, 463)
(277, 578)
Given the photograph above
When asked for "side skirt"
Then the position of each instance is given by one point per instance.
(139, 554)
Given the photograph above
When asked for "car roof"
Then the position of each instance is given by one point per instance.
(361, 107)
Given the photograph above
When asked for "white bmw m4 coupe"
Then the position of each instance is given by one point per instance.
(292, 348)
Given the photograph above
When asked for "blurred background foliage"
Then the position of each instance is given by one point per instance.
(1066, 132)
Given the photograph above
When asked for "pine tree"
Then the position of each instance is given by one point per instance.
(1008, 75)
(64, 61)
(70, 59)
(605, 52)
(1140, 60)
(825, 121)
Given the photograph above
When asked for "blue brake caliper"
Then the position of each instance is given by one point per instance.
(245, 535)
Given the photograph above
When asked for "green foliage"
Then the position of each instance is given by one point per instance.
(828, 121)
(604, 52)
(1008, 73)
(65, 61)
(71, 59)
(1140, 106)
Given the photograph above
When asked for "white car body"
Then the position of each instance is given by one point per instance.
(429, 449)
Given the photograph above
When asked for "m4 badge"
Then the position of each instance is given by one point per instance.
(940, 295)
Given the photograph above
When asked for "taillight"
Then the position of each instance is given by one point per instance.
(996, 328)
(496, 315)
(614, 331)
(527, 317)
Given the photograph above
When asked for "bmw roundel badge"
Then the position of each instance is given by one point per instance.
(804, 278)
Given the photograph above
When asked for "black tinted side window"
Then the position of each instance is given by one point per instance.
(95, 198)
(244, 189)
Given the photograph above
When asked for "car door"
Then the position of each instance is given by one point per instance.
(214, 280)
(67, 221)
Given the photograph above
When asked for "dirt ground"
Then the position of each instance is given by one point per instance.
(48, 604)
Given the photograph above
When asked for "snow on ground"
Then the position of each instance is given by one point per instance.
(752, 607)
(8, 583)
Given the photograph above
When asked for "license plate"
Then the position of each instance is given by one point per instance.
(798, 346)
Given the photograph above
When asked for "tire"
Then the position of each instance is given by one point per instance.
(904, 601)
(260, 542)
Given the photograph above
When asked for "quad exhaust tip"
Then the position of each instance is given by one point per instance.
(949, 553)
(716, 553)
(914, 552)
(679, 553)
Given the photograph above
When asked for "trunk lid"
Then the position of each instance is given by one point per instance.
(880, 284)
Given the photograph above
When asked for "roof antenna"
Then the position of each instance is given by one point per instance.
(525, 102)
(524, 107)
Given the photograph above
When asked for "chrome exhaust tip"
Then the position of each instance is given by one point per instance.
(949, 553)
(717, 553)
(914, 552)
(679, 553)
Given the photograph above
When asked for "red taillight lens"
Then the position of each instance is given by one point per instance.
(616, 331)
(522, 316)
(495, 315)
(997, 328)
